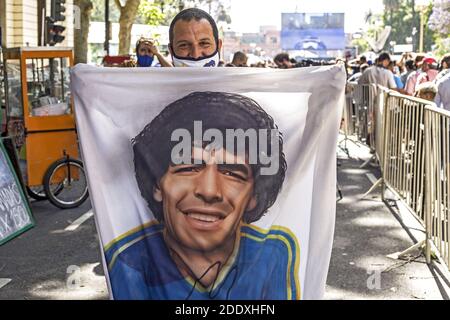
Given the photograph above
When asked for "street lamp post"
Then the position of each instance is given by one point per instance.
(421, 5)
(421, 32)
(107, 28)
(392, 45)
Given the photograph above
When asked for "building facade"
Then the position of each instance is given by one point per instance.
(265, 43)
(22, 22)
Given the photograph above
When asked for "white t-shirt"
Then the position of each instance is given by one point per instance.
(442, 99)
(378, 75)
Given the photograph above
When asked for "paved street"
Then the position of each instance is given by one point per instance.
(366, 231)
(43, 262)
(60, 257)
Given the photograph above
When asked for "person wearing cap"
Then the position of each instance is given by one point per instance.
(428, 73)
(194, 39)
(410, 86)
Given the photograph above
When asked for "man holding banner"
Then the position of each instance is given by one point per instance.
(222, 187)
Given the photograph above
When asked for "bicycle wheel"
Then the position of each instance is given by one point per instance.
(65, 183)
(37, 193)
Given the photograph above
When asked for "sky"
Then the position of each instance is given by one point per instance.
(248, 15)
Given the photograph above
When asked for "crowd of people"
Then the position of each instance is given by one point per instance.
(415, 74)
(194, 42)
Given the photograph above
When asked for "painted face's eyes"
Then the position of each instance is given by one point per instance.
(235, 175)
(236, 171)
(187, 169)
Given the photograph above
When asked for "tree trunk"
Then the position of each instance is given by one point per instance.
(81, 31)
(128, 14)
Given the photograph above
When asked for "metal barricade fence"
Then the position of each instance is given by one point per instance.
(404, 167)
(364, 99)
(437, 133)
(349, 111)
(379, 114)
(411, 138)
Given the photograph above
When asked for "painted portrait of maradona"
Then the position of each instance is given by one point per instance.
(202, 243)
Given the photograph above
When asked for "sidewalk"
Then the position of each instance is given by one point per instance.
(366, 231)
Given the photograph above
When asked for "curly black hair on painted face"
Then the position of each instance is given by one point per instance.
(152, 147)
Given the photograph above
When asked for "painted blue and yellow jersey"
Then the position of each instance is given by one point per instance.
(264, 266)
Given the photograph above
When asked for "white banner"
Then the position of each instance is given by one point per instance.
(215, 183)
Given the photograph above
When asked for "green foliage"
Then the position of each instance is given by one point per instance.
(98, 13)
(429, 34)
(371, 33)
(362, 44)
(158, 12)
(440, 23)
(161, 12)
(442, 46)
(402, 16)
(151, 14)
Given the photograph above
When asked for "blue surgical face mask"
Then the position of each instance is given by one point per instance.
(145, 61)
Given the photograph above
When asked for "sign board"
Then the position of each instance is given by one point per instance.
(403, 48)
(15, 213)
(315, 32)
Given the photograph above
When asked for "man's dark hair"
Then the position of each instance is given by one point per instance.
(419, 57)
(281, 57)
(190, 14)
(410, 65)
(152, 147)
(446, 59)
(384, 56)
(363, 67)
(239, 56)
(139, 43)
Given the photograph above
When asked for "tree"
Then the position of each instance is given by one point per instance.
(81, 35)
(161, 12)
(373, 36)
(402, 17)
(440, 23)
(389, 7)
(128, 11)
(153, 12)
(440, 17)
(216, 8)
(98, 13)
